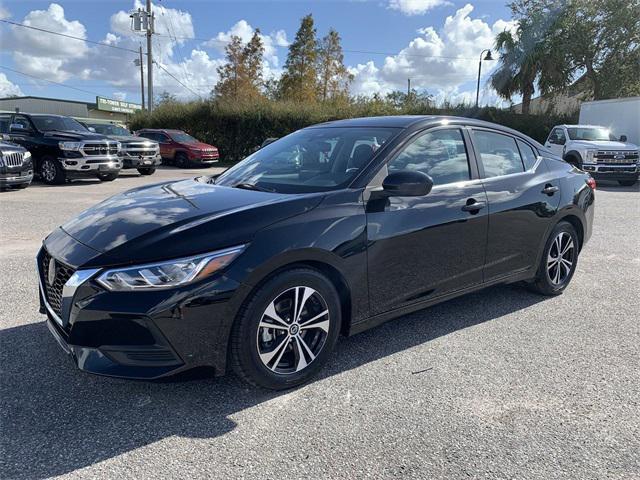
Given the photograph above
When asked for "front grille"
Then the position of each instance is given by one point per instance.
(616, 156)
(53, 291)
(13, 159)
(101, 148)
(139, 149)
(617, 170)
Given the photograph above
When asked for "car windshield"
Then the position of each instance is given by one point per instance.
(591, 134)
(45, 124)
(310, 160)
(110, 129)
(182, 137)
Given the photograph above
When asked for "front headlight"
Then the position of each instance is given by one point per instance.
(169, 274)
(590, 156)
(118, 146)
(26, 156)
(72, 146)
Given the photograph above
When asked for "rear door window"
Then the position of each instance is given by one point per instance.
(499, 153)
(529, 156)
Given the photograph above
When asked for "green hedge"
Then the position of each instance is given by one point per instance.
(236, 129)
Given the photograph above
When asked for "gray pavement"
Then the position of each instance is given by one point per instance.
(499, 384)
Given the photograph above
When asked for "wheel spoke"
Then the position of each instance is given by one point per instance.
(306, 293)
(302, 348)
(324, 325)
(267, 357)
(275, 326)
(320, 315)
(272, 314)
(567, 247)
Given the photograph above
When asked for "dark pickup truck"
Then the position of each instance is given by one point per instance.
(16, 166)
(62, 148)
(136, 152)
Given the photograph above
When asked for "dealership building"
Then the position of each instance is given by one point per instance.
(103, 109)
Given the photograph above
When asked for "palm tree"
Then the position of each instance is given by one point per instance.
(527, 57)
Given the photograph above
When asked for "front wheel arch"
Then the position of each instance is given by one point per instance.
(573, 157)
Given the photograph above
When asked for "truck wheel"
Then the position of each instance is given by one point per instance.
(627, 183)
(107, 177)
(51, 171)
(181, 160)
(147, 170)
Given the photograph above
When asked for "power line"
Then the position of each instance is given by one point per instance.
(172, 76)
(50, 81)
(102, 44)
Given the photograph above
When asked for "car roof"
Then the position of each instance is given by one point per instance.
(165, 130)
(417, 122)
(582, 126)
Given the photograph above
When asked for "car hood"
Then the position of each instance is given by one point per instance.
(198, 145)
(605, 145)
(180, 218)
(73, 135)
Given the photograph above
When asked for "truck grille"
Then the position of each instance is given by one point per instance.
(619, 156)
(138, 149)
(53, 291)
(100, 148)
(13, 159)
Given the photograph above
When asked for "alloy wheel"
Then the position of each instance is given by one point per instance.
(48, 171)
(561, 258)
(293, 330)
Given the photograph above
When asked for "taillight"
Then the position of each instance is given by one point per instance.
(592, 183)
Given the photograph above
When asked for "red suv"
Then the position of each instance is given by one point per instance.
(181, 148)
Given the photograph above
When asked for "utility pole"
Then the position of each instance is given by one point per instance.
(150, 24)
(140, 62)
(408, 87)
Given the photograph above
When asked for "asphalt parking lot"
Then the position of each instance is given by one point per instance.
(499, 384)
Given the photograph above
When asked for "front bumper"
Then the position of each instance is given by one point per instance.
(205, 159)
(129, 161)
(613, 172)
(139, 335)
(91, 165)
(16, 178)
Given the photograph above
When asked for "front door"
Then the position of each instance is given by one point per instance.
(556, 141)
(424, 247)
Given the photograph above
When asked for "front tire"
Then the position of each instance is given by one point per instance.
(627, 183)
(181, 160)
(51, 171)
(558, 262)
(147, 170)
(286, 331)
(107, 177)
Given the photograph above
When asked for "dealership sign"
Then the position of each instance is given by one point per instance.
(109, 105)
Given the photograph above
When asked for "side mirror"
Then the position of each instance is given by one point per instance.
(623, 138)
(407, 183)
(16, 128)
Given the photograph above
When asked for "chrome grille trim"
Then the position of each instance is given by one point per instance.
(13, 159)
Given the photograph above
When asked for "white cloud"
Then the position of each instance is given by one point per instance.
(4, 13)
(120, 95)
(7, 88)
(436, 60)
(245, 31)
(416, 7)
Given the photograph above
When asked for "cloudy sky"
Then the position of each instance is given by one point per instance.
(435, 43)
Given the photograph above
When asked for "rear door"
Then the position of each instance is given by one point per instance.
(424, 247)
(522, 194)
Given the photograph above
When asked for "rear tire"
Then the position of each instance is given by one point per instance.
(627, 183)
(147, 171)
(51, 171)
(558, 262)
(107, 177)
(275, 345)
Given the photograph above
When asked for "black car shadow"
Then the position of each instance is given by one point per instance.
(56, 419)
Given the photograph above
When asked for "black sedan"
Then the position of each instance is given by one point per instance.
(330, 230)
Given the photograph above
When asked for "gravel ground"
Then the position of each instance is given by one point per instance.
(498, 384)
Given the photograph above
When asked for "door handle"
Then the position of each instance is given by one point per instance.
(550, 189)
(473, 207)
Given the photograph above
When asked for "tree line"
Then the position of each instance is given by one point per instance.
(592, 46)
(313, 72)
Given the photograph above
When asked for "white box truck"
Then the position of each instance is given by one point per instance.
(620, 115)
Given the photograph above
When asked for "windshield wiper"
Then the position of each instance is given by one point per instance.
(252, 186)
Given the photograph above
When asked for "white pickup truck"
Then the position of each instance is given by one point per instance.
(596, 150)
